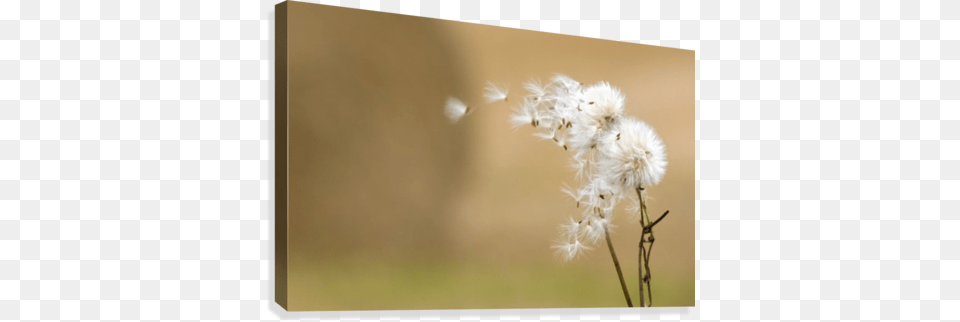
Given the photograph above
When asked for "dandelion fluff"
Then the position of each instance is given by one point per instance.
(602, 106)
(494, 93)
(569, 250)
(535, 89)
(634, 209)
(524, 114)
(583, 163)
(635, 155)
(611, 153)
(572, 229)
(596, 229)
(599, 196)
(584, 135)
(455, 109)
(575, 194)
(566, 83)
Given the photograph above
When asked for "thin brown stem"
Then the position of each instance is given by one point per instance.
(642, 252)
(658, 219)
(647, 277)
(640, 257)
(616, 263)
(646, 248)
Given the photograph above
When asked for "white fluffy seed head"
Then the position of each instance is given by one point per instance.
(455, 109)
(634, 156)
(610, 152)
(599, 108)
(602, 105)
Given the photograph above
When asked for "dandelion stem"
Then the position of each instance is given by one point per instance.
(646, 237)
(616, 263)
(645, 251)
(642, 252)
(659, 219)
(640, 255)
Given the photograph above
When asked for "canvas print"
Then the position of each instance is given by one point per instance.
(430, 164)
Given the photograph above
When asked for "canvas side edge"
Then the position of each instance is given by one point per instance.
(281, 150)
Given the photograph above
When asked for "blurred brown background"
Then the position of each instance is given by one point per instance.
(393, 207)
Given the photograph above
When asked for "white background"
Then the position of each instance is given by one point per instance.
(136, 156)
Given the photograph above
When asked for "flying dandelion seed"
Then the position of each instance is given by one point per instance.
(493, 93)
(456, 109)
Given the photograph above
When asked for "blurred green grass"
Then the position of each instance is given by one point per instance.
(413, 285)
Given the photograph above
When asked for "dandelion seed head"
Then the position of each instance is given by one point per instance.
(603, 105)
(597, 112)
(638, 158)
(455, 109)
(610, 152)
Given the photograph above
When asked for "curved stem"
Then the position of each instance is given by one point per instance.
(616, 263)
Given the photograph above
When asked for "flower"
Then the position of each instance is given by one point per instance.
(600, 107)
(634, 155)
(455, 109)
(602, 104)
(493, 93)
(612, 153)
